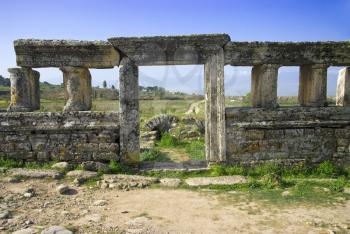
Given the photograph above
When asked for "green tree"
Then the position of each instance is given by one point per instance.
(104, 84)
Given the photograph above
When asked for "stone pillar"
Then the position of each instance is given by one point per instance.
(343, 87)
(215, 108)
(129, 111)
(77, 81)
(25, 90)
(264, 85)
(313, 85)
(34, 82)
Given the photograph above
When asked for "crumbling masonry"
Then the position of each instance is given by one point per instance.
(310, 133)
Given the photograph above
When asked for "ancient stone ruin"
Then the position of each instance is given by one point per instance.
(264, 132)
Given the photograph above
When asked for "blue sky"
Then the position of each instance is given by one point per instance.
(243, 20)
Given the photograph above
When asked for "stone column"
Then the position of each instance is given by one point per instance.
(264, 85)
(215, 108)
(343, 87)
(129, 111)
(34, 82)
(313, 85)
(77, 81)
(25, 91)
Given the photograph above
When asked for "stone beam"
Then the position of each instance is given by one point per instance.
(215, 108)
(25, 90)
(264, 85)
(343, 87)
(129, 111)
(170, 50)
(60, 53)
(287, 53)
(313, 85)
(77, 81)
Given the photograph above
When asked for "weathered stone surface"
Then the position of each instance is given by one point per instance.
(288, 135)
(60, 53)
(287, 53)
(25, 92)
(95, 166)
(127, 182)
(170, 182)
(215, 107)
(61, 136)
(56, 230)
(62, 189)
(220, 180)
(170, 50)
(77, 82)
(34, 173)
(61, 166)
(85, 175)
(343, 87)
(129, 111)
(26, 231)
(313, 85)
(264, 85)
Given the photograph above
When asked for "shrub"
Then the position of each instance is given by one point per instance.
(338, 185)
(217, 170)
(235, 170)
(168, 140)
(153, 155)
(116, 167)
(196, 150)
(299, 169)
(326, 169)
(266, 168)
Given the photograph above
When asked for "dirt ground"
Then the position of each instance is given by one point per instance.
(160, 210)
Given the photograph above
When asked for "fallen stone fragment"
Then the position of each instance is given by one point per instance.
(56, 230)
(220, 180)
(29, 192)
(170, 182)
(347, 190)
(95, 166)
(13, 180)
(285, 193)
(34, 173)
(3, 169)
(85, 175)
(26, 231)
(62, 189)
(100, 203)
(61, 166)
(5, 214)
(127, 182)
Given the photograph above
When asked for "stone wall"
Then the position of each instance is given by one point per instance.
(288, 135)
(68, 136)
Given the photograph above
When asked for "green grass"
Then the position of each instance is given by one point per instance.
(154, 155)
(10, 163)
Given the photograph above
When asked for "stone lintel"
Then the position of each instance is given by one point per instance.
(333, 53)
(77, 82)
(170, 50)
(129, 111)
(215, 108)
(343, 87)
(313, 85)
(60, 53)
(25, 90)
(264, 85)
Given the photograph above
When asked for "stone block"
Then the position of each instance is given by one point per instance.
(170, 50)
(61, 53)
(343, 87)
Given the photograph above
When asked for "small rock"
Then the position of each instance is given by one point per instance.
(65, 213)
(61, 166)
(5, 214)
(25, 231)
(100, 203)
(95, 166)
(3, 169)
(94, 218)
(62, 189)
(28, 222)
(347, 190)
(28, 195)
(285, 193)
(78, 181)
(56, 230)
(170, 182)
(13, 180)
